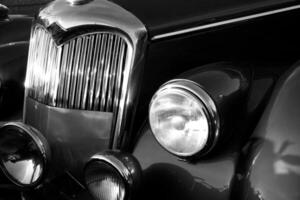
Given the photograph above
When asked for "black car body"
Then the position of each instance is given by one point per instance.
(94, 67)
(14, 42)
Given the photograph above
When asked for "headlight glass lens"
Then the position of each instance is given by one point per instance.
(104, 182)
(22, 158)
(179, 121)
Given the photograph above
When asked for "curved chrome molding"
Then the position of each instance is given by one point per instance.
(4, 10)
(78, 2)
(223, 23)
(59, 16)
(127, 166)
(211, 109)
(97, 12)
(39, 140)
(37, 137)
(116, 163)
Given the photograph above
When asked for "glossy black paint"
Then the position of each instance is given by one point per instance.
(165, 16)
(14, 37)
(210, 176)
(264, 48)
(167, 177)
(24, 7)
(269, 166)
(3, 12)
(15, 29)
(63, 187)
(13, 59)
(228, 86)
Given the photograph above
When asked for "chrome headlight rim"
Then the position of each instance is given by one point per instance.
(41, 144)
(211, 112)
(125, 165)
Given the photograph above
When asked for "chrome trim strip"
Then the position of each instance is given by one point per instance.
(225, 22)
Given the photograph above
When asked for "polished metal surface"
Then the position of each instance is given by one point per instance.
(101, 68)
(104, 182)
(126, 165)
(223, 23)
(3, 6)
(24, 154)
(116, 163)
(97, 12)
(74, 135)
(64, 76)
(78, 2)
(211, 109)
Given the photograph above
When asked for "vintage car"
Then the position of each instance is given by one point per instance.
(173, 99)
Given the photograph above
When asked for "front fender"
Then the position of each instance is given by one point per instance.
(15, 29)
(13, 60)
(269, 165)
(167, 177)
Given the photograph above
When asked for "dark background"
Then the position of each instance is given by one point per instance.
(28, 7)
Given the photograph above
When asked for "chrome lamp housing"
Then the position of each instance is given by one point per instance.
(24, 154)
(113, 175)
(184, 118)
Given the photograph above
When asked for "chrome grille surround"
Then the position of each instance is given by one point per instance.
(61, 18)
(85, 72)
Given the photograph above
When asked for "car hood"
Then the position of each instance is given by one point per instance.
(170, 15)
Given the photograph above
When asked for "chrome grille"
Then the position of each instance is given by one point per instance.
(84, 73)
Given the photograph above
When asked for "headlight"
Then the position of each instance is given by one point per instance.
(23, 154)
(184, 118)
(112, 175)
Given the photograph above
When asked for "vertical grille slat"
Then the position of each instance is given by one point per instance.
(100, 70)
(107, 65)
(80, 72)
(48, 71)
(55, 77)
(94, 70)
(119, 74)
(85, 72)
(62, 78)
(74, 72)
(112, 77)
(67, 81)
